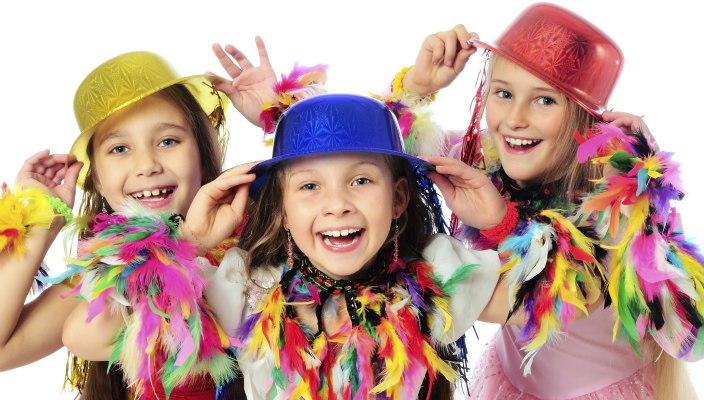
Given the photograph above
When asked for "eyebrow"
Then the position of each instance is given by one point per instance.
(546, 88)
(160, 127)
(359, 164)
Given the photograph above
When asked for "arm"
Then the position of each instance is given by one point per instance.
(29, 332)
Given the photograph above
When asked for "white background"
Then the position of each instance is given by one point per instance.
(47, 48)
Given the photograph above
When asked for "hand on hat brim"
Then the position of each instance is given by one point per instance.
(442, 57)
(467, 192)
(630, 124)
(218, 208)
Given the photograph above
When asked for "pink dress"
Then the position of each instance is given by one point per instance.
(586, 364)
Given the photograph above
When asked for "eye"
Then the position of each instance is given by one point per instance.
(361, 181)
(309, 186)
(118, 149)
(504, 94)
(168, 142)
(546, 101)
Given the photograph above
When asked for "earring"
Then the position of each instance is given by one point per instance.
(395, 241)
(289, 249)
(104, 209)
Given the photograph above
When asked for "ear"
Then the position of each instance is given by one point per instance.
(401, 197)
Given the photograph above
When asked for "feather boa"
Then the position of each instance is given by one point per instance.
(656, 278)
(552, 269)
(20, 211)
(387, 335)
(137, 260)
(301, 83)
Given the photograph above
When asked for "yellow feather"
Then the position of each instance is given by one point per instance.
(438, 364)
(394, 365)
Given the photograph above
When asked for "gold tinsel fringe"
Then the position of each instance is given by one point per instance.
(76, 373)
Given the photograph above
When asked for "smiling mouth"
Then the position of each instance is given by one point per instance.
(341, 238)
(153, 195)
(521, 144)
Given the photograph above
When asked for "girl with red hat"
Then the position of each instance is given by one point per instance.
(600, 293)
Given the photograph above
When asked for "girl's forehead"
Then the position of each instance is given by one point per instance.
(339, 160)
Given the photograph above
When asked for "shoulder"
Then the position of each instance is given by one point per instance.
(444, 252)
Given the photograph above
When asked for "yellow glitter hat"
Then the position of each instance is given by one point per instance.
(126, 79)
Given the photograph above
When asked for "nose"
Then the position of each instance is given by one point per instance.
(337, 201)
(517, 117)
(147, 163)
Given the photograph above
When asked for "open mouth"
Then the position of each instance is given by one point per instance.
(153, 195)
(521, 144)
(341, 238)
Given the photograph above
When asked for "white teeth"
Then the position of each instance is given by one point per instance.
(155, 192)
(520, 142)
(343, 232)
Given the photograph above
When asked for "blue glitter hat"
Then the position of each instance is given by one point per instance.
(334, 123)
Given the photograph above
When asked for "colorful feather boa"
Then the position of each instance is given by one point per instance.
(20, 211)
(389, 330)
(656, 278)
(137, 260)
(299, 84)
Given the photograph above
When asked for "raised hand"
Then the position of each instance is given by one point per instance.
(249, 87)
(468, 193)
(57, 173)
(441, 58)
(218, 208)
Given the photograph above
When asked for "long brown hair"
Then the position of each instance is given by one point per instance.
(111, 385)
(265, 239)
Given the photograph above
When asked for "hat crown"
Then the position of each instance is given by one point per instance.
(566, 51)
(337, 122)
(118, 82)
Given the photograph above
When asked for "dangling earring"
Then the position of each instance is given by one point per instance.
(289, 249)
(104, 209)
(395, 241)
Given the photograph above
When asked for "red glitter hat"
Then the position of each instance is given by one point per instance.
(564, 50)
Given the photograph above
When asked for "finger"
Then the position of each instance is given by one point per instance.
(444, 185)
(72, 172)
(230, 67)
(239, 203)
(450, 40)
(263, 54)
(437, 49)
(221, 83)
(463, 36)
(238, 56)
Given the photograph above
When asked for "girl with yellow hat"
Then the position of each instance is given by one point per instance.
(600, 292)
(149, 139)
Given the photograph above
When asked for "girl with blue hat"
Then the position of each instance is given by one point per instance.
(343, 285)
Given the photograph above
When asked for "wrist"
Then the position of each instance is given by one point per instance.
(506, 226)
(404, 88)
(186, 233)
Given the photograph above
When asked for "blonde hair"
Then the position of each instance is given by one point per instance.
(672, 379)
(566, 175)
(210, 151)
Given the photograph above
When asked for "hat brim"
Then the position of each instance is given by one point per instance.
(262, 169)
(596, 112)
(199, 86)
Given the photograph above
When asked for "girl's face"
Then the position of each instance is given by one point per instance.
(147, 152)
(525, 117)
(339, 209)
